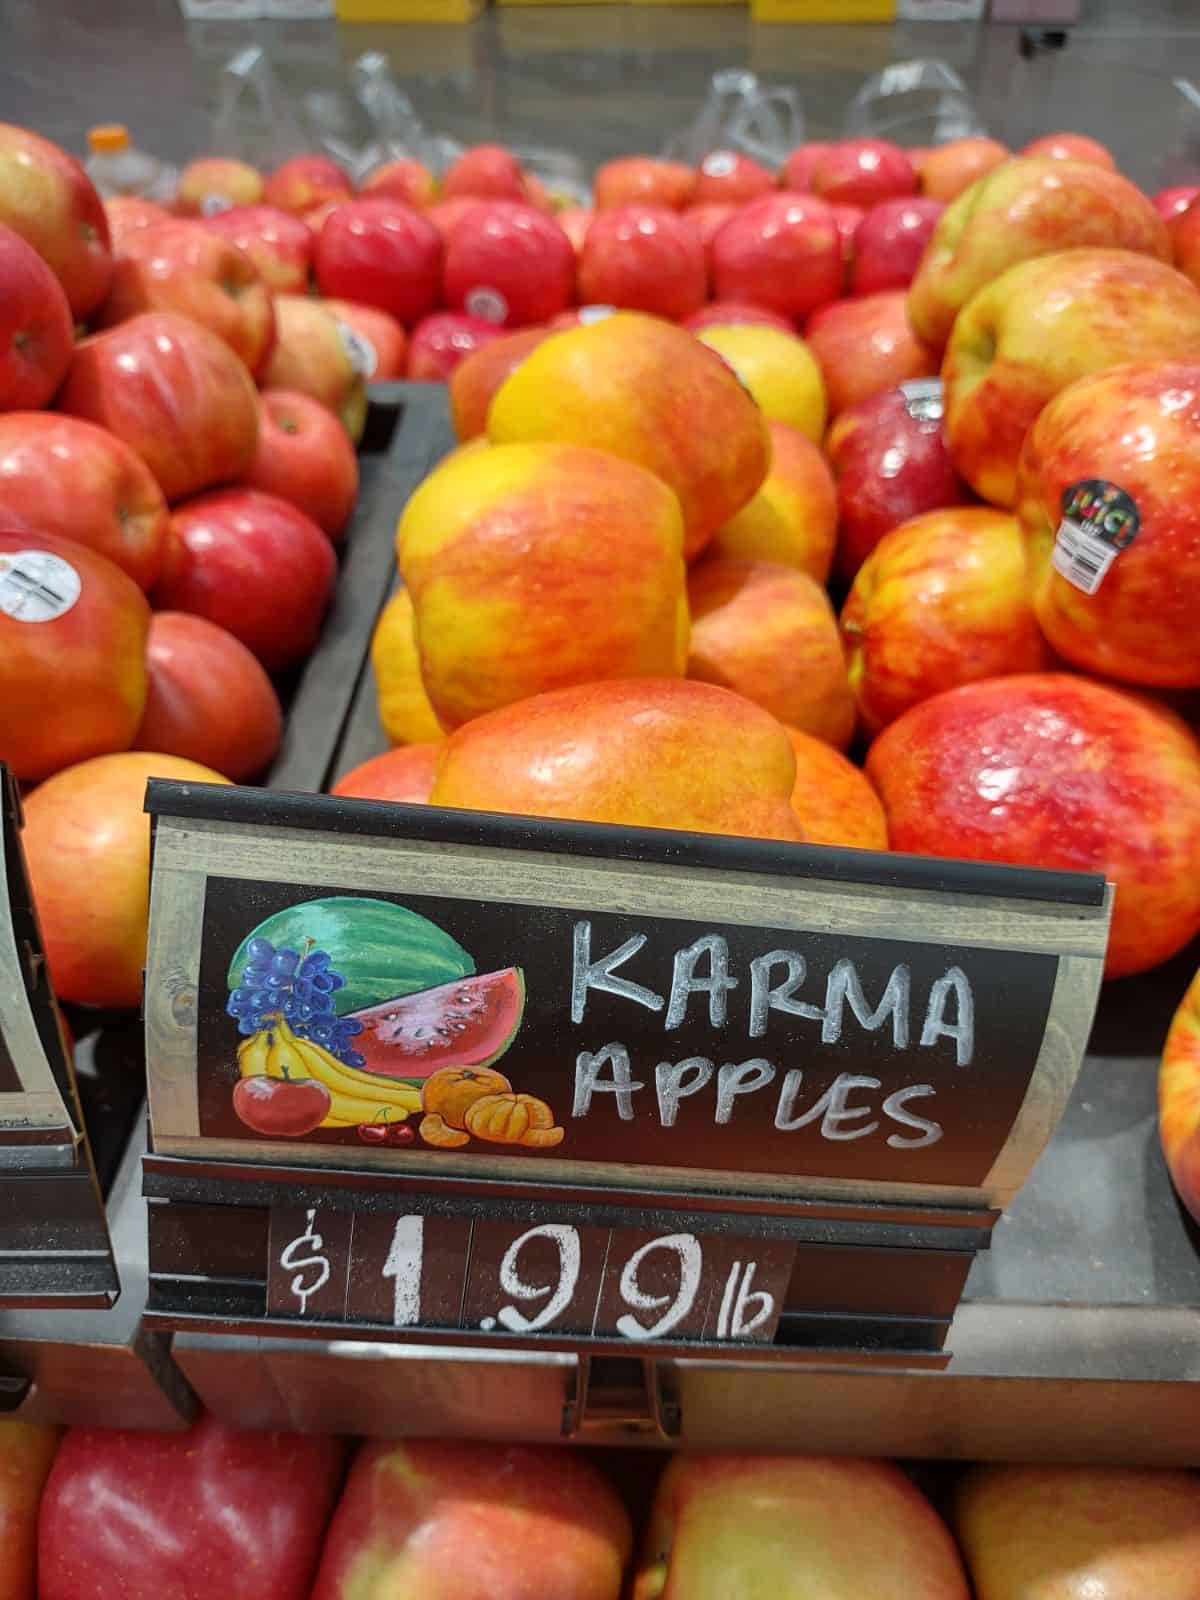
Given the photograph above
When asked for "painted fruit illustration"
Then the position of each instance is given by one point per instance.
(468, 1023)
(448, 1096)
(352, 1098)
(281, 1107)
(513, 1119)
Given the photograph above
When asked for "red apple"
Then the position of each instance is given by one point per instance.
(847, 220)
(509, 264)
(948, 169)
(279, 245)
(641, 180)
(405, 774)
(890, 242)
(730, 177)
(314, 354)
(381, 340)
(889, 457)
(36, 331)
(127, 215)
(172, 391)
(215, 183)
(487, 172)
(380, 253)
(281, 1108)
(644, 258)
(1050, 770)
(476, 380)
(404, 180)
(781, 252)
(316, 219)
(1071, 147)
(47, 197)
(724, 313)
(447, 214)
(26, 1453)
(184, 267)
(207, 698)
(439, 342)
(1185, 240)
(708, 219)
(476, 1522)
(68, 478)
(800, 166)
(575, 222)
(867, 345)
(72, 638)
(1173, 202)
(862, 172)
(305, 456)
(254, 565)
(306, 182)
(1179, 1099)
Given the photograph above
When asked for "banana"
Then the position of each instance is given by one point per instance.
(319, 1063)
(276, 1052)
(252, 1054)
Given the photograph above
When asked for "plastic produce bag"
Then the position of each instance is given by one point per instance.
(913, 102)
(739, 113)
(254, 120)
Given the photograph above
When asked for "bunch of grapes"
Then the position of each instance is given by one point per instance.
(298, 987)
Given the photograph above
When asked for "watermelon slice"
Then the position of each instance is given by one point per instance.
(468, 1023)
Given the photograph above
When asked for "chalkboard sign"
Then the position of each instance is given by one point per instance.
(341, 984)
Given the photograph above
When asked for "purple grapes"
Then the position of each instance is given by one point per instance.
(300, 988)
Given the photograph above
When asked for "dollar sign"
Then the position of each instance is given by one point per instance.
(301, 1253)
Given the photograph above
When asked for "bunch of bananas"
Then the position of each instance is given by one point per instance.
(354, 1097)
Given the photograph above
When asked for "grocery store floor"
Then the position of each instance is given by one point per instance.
(599, 80)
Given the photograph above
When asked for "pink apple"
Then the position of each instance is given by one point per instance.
(575, 222)
(727, 313)
(381, 340)
(447, 214)
(439, 342)
(890, 242)
(306, 182)
(708, 219)
(847, 219)
(642, 180)
(947, 169)
(316, 354)
(866, 345)
(214, 184)
(729, 176)
(1172, 203)
(305, 456)
(1071, 147)
(380, 253)
(254, 565)
(644, 258)
(36, 330)
(863, 172)
(800, 166)
(781, 252)
(127, 215)
(488, 172)
(279, 245)
(47, 197)
(508, 264)
(404, 180)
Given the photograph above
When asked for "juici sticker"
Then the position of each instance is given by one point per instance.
(1099, 520)
(36, 585)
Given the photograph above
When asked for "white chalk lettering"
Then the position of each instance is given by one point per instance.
(894, 1107)
(784, 1119)
(838, 1113)
(844, 984)
(737, 1078)
(687, 1248)
(765, 998)
(674, 1081)
(587, 974)
(732, 1321)
(716, 983)
(589, 1065)
(955, 983)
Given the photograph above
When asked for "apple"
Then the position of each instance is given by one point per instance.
(403, 179)
(1039, 327)
(740, 1527)
(440, 341)
(26, 1453)
(254, 565)
(1021, 210)
(731, 314)
(833, 799)
(71, 479)
(306, 182)
(865, 346)
(47, 197)
(381, 253)
(863, 172)
(637, 752)
(281, 1108)
(1109, 462)
(207, 698)
(36, 331)
(1050, 770)
(446, 215)
(641, 180)
(216, 183)
(473, 1520)
(316, 219)
(174, 392)
(575, 222)
(305, 456)
(889, 459)
(128, 214)
(778, 370)
(782, 252)
(708, 220)
(1115, 1533)
(486, 172)
(1071, 147)
(406, 774)
(87, 825)
(944, 599)
(792, 519)
(72, 638)
(731, 177)
(1172, 203)
(381, 341)
(577, 317)
(508, 264)
(1185, 237)
(314, 355)
(279, 245)
(947, 169)
(189, 269)
(404, 709)
(644, 258)
(1179, 1099)
(474, 382)
(847, 220)
(800, 166)
(889, 244)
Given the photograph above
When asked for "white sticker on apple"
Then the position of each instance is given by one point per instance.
(590, 314)
(212, 205)
(718, 165)
(36, 586)
(489, 305)
(364, 357)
